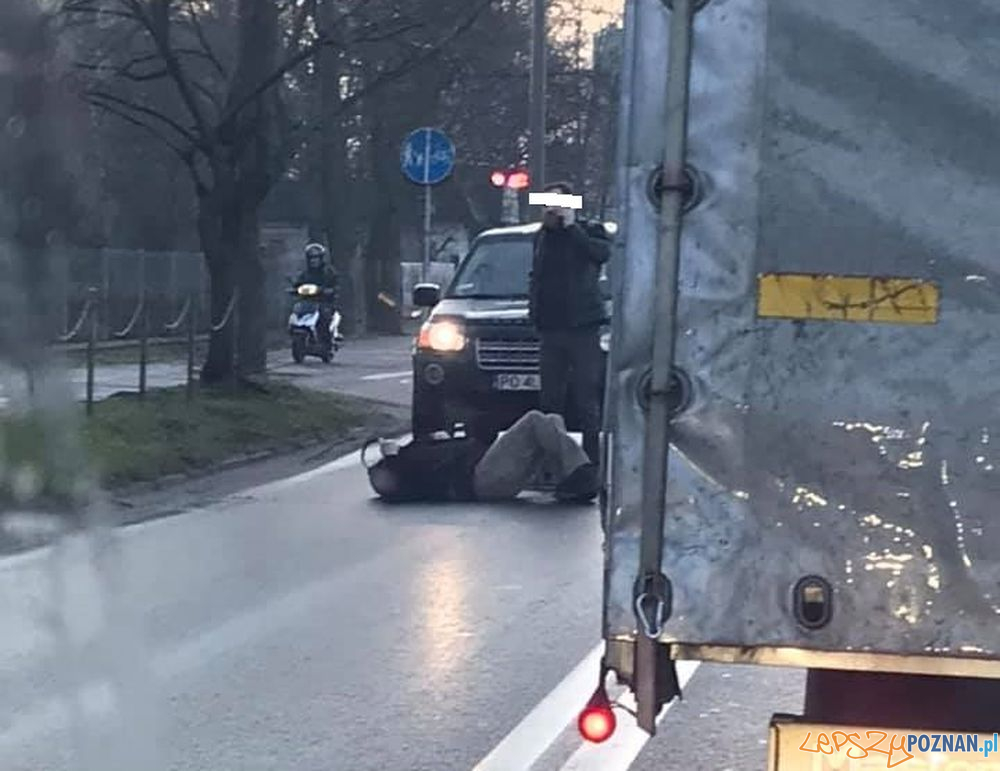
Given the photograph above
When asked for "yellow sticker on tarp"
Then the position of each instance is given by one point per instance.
(847, 298)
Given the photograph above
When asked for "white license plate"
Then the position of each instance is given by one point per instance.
(517, 382)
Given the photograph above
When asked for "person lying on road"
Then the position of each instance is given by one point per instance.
(536, 447)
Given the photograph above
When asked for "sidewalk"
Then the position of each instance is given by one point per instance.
(359, 358)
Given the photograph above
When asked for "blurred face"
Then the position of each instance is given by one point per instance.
(551, 217)
(555, 216)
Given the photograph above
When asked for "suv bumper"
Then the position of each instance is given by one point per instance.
(451, 388)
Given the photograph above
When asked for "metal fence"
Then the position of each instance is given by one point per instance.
(162, 281)
(122, 279)
(86, 326)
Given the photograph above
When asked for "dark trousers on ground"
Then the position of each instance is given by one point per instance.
(571, 373)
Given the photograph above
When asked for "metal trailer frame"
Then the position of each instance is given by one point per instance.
(829, 482)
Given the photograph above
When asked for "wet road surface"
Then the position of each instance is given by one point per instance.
(302, 626)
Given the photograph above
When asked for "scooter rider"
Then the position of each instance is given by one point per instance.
(325, 277)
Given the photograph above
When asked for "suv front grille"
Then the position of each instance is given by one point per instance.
(508, 355)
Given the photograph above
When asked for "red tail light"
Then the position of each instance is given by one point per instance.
(597, 721)
(519, 180)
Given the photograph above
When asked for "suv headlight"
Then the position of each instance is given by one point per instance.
(441, 336)
(605, 341)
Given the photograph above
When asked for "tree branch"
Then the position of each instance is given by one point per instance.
(158, 29)
(123, 72)
(99, 98)
(199, 32)
(401, 69)
(184, 154)
(381, 38)
(85, 8)
(394, 74)
(307, 9)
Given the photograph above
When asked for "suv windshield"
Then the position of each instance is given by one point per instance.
(496, 267)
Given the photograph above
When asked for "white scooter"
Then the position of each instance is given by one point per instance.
(303, 325)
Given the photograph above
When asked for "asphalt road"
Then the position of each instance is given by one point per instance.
(302, 626)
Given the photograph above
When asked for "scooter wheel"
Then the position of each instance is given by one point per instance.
(298, 351)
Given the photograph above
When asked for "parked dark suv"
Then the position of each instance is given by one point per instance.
(476, 359)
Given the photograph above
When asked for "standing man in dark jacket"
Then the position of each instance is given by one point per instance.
(567, 309)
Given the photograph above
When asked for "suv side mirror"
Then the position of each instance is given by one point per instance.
(426, 295)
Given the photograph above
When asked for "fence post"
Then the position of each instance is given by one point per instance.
(64, 280)
(92, 294)
(172, 284)
(106, 290)
(143, 349)
(202, 292)
(191, 326)
(236, 331)
(144, 328)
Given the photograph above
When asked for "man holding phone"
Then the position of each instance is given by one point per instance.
(567, 309)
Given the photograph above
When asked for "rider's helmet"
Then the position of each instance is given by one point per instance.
(315, 255)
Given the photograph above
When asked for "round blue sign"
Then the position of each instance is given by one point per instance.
(428, 156)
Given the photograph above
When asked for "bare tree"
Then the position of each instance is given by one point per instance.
(209, 79)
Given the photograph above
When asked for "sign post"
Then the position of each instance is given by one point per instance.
(427, 158)
(512, 183)
(511, 212)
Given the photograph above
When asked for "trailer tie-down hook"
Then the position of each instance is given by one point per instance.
(653, 604)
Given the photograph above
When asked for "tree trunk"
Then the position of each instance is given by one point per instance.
(217, 239)
(229, 238)
(333, 171)
(382, 254)
(244, 168)
(252, 318)
(357, 275)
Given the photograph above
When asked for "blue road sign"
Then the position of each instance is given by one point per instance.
(428, 156)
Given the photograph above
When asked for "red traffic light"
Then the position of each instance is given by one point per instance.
(515, 180)
(518, 180)
(597, 721)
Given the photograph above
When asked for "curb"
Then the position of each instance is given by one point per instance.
(353, 441)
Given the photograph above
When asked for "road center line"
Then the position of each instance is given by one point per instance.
(387, 375)
(540, 727)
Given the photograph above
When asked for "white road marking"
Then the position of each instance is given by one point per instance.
(387, 375)
(540, 727)
(620, 751)
(557, 712)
